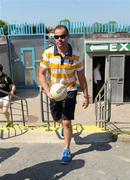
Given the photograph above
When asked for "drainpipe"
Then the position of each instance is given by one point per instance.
(10, 57)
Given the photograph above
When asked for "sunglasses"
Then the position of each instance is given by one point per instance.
(61, 36)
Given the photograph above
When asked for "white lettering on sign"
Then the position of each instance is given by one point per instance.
(123, 47)
(113, 47)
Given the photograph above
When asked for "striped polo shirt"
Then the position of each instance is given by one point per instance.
(62, 70)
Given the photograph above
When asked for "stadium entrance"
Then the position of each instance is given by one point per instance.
(114, 57)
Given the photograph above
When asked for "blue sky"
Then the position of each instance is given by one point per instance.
(51, 12)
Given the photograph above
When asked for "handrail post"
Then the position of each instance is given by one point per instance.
(105, 102)
(103, 109)
(47, 106)
(23, 112)
(21, 103)
(41, 106)
(11, 114)
(27, 109)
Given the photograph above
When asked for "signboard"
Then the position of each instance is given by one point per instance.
(107, 47)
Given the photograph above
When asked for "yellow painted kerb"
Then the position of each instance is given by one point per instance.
(76, 128)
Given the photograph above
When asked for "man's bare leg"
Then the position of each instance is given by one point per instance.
(67, 157)
(67, 133)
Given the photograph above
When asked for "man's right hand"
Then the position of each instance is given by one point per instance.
(49, 95)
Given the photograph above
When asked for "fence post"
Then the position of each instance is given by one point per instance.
(11, 115)
(23, 112)
(47, 106)
(42, 108)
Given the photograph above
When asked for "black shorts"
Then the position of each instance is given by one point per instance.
(64, 109)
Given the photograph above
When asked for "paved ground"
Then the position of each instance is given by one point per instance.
(95, 161)
(33, 153)
(120, 116)
(120, 113)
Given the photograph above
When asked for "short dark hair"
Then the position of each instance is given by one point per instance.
(62, 26)
(1, 67)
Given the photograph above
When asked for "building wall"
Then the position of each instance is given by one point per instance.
(102, 39)
(78, 42)
(4, 55)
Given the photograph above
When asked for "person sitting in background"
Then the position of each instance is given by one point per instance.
(7, 85)
(97, 79)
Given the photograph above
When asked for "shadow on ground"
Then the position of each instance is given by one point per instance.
(119, 127)
(45, 171)
(5, 153)
(98, 141)
(7, 133)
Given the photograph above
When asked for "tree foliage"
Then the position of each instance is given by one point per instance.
(65, 22)
(4, 25)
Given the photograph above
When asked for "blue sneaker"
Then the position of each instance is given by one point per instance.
(67, 157)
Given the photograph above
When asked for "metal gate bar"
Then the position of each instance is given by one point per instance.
(21, 107)
(45, 110)
(103, 105)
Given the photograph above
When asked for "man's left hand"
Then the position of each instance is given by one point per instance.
(85, 103)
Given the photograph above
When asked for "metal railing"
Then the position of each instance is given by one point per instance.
(103, 105)
(1, 31)
(45, 109)
(83, 28)
(26, 29)
(18, 108)
(73, 27)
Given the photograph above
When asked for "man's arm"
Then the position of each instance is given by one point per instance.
(84, 87)
(43, 82)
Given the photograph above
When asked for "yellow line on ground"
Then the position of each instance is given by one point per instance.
(37, 129)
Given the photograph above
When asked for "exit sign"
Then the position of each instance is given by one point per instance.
(106, 47)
